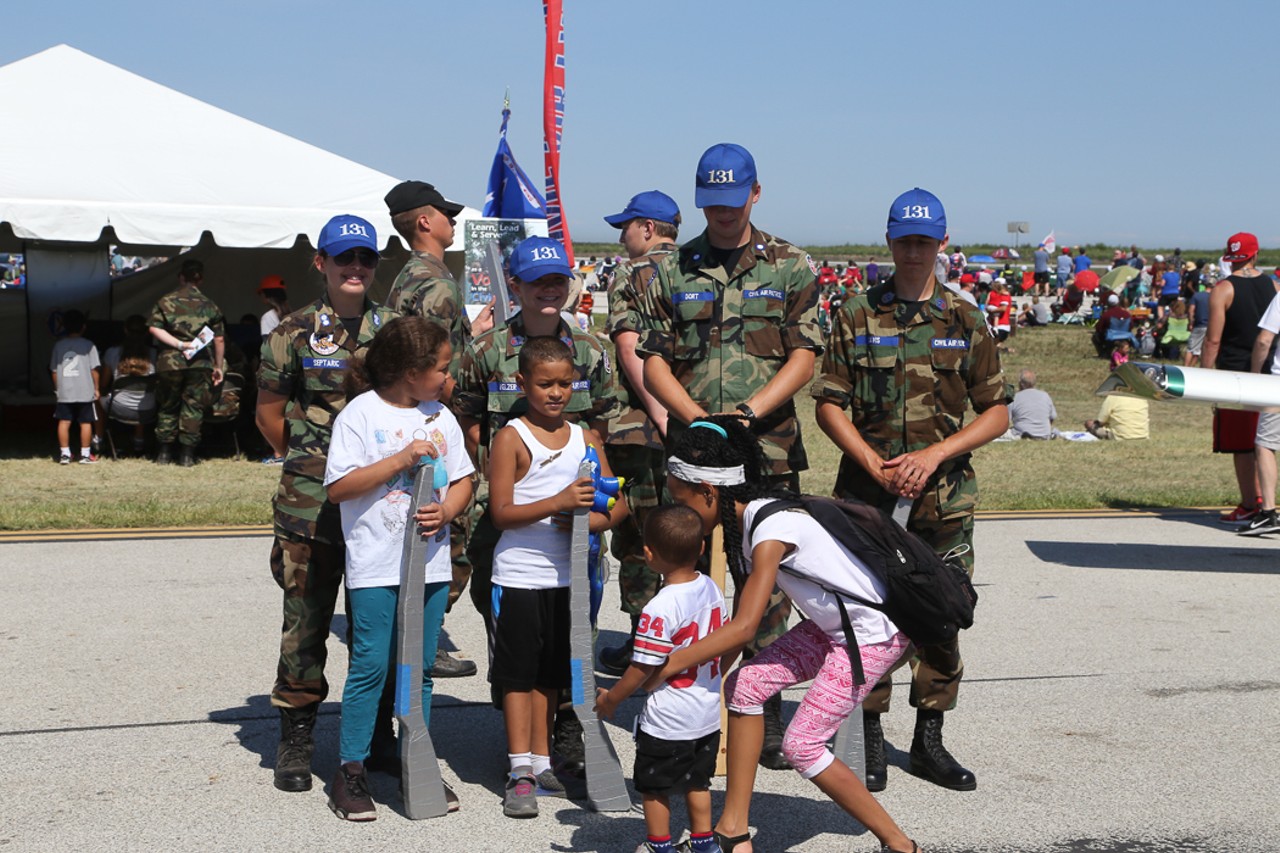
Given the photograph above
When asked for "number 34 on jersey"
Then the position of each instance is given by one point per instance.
(651, 638)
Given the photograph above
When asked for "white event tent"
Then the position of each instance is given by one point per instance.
(105, 157)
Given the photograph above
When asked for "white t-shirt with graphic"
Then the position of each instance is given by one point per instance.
(818, 555)
(687, 706)
(368, 430)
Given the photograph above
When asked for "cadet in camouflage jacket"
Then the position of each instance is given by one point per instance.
(726, 335)
(634, 444)
(907, 358)
(184, 388)
(426, 288)
(304, 364)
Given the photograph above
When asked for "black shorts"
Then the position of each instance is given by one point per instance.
(674, 766)
(1041, 277)
(530, 638)
(85, 413)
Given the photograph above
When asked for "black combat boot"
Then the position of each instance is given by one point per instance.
(447, 666)
(615, 659)
(771, 756)
(930, 759)
(567, 742)
(293, 755)
(873, 746)
(164, 453)
(187, 456)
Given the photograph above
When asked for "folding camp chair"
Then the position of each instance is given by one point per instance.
(116, 414)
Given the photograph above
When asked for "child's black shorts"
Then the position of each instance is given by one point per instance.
(84, 413)
(674, 766)
(530, 638)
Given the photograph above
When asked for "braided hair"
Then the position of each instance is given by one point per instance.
(707, 448)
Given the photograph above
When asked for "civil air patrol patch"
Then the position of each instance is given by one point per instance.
(377, 320)
(813, 268)
(322, 344)
(324, 319)
(949, 343)
(608, 365)
(941, 303)
(762, 293)
(886, 298)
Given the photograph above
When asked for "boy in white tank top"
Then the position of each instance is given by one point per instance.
(534, 490)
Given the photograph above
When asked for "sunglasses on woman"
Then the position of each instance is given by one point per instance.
(367, 258)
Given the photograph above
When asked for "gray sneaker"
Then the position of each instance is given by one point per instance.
(549, 785)
(521, 799)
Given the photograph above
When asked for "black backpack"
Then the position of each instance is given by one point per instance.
(929, 598)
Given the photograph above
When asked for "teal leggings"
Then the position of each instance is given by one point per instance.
(373, 631)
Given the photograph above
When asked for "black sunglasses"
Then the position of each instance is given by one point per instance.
(366, 257)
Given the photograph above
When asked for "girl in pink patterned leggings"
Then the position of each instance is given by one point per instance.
(717, 468)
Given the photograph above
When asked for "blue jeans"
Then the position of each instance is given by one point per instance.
(373, 631)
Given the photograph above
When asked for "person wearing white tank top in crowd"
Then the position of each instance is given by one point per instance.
(534, 490)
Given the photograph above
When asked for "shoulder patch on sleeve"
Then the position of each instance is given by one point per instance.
(813, 267)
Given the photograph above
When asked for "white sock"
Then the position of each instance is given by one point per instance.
(540, 763)
(66, 451)
(519, 760)
(84, 451)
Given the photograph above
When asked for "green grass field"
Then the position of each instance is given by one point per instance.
(1175, 468)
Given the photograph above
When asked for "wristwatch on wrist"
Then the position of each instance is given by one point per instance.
(747, 411)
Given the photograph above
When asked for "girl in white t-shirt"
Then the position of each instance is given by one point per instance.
(718, 469)
(378, 440)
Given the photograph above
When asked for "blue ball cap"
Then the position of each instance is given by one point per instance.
(654, 205)
(347, 232)
(535, 257)
(917, 211)
(726, 176)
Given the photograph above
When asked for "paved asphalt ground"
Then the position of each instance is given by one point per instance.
(1122, 694)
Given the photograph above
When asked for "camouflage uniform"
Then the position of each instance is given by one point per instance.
(634, 444)
(426, 288)
(487, 393)
(907, 372)
(726, 335)
(305, 360)
(184, 389)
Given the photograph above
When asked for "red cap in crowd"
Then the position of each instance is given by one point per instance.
(1240, 247)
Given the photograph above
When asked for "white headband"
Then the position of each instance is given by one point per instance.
(682, 470)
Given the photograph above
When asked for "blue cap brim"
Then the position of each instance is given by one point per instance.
(620, 219)
(728, 197)
(533, 272)
(906, 229)
(337, 247)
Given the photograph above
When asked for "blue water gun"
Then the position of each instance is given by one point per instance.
(607, 491)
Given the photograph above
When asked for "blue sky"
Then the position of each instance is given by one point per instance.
(1116, 122)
